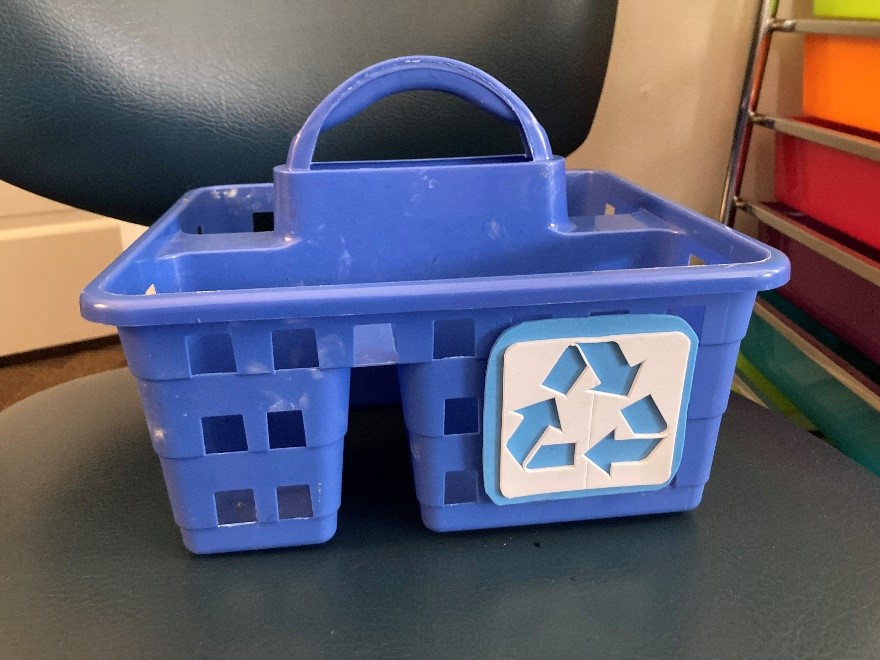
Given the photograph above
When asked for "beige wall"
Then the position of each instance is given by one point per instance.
(673, 86)
(48, 253)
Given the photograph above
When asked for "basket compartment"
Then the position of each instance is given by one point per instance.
(256, 457)
(442, 405)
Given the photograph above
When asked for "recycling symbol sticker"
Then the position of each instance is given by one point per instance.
(590, 406)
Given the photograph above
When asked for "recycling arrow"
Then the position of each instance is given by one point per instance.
(616, 375)
(536, 418)
(609, 450)
(616, 378)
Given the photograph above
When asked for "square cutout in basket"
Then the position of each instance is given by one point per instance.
(454, 338)
(461, 416)
(235, 507)
(374, 344)
(294, 348)
(286, 429)
(210, 354)
(294, 502)
(224, 434)
(264, 221)
(461, 487)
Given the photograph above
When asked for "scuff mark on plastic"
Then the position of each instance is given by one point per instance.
(494, 229)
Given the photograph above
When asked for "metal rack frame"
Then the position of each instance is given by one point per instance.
(790, 224)
(766, 24)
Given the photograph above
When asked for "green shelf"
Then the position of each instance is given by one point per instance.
(843, 404)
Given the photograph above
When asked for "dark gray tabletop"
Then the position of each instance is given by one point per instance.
(781, 559)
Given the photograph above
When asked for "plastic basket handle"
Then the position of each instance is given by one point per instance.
(411, 73)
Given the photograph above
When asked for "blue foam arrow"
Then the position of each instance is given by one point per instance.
(608, 451)
(566, 371)
(644, 416)
(615, 374)
(549, 456)
(536, 418)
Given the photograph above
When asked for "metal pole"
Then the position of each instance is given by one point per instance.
(742, 135)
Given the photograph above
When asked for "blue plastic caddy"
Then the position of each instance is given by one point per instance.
(565, 341)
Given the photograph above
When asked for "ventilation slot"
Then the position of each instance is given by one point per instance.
(294, 502)
(374, 345)
(264, 221)
(461, 416)
(454, 338)
(210, 354)
(461, 487)
(235, 507)
(286, 429)
(294, 348)
(224, 434)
